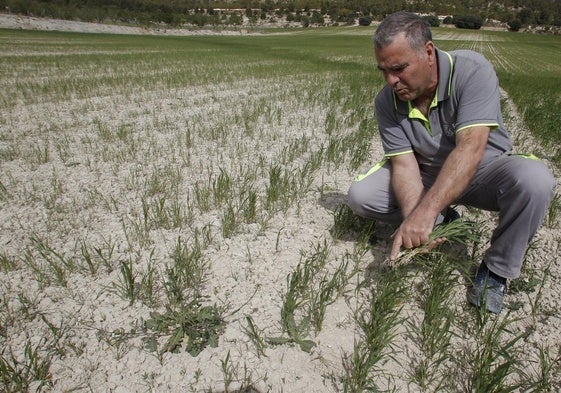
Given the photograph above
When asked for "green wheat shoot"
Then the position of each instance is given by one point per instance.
(458, 231)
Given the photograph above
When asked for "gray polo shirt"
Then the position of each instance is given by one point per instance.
(467, 95)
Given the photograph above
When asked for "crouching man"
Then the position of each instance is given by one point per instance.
(441, 127)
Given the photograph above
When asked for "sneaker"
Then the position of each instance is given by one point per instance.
(447, 216)
(451, 215)
(488, 289)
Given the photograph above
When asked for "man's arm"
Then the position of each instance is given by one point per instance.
(456, 174)
(406, 182)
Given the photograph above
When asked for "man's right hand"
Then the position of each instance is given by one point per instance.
(413, 232)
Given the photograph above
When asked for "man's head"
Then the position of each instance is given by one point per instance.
(416, 30)
(406, 56)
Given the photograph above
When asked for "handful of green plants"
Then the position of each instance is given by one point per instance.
(458, 231)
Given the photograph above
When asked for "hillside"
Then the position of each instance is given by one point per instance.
(304, 12)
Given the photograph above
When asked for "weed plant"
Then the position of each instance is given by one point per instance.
(190, 328)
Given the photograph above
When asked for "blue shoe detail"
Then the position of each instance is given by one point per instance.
(488, 290)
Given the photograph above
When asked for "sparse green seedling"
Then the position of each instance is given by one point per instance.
(7, 263)
(147, 285)
(228, 372)
(309, 292)
(4, 194)
(248, 205)
(256, 336)
(230, 221)
(547, 376)
(345, 221)
(282, 188)
(233, 381)
(127, 285)
(203, 197)
(377, 320)
(186, 276)
(47, 263)
(118, 340)
(435, 331)
(553, 212)
(494, 358)
(222, 187)
(27, 306)
(18, 375)
(297, 298)
(40, 153)
(137, 230)
(326, 290)
(98, 256)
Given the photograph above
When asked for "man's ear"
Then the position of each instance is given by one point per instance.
(430, 52)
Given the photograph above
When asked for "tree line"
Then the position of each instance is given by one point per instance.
(517, 13)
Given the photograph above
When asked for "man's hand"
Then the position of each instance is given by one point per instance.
(414, 232)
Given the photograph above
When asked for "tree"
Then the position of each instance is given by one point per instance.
(448, 20)
(364, 21)
(235, 19)
(350, 18)
(317, 18)
(433, 20)
(514, 25)
(468, 22)
(525, 16)
(176, 12)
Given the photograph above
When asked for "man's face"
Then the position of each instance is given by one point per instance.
(409, 72)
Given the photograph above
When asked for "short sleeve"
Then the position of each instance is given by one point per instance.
(478, 93)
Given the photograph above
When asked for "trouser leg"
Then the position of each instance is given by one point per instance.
(520, 189)
(370, 195)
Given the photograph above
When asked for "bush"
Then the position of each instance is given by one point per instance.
(350, 18)
(317, 18)
(514, 25)
(197, 19)
(235, 20)
(433, 20)
(364, 21)
(468, 22)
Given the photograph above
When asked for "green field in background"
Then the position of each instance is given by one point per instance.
(40, 66)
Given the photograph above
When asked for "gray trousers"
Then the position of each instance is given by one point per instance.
(518, 187)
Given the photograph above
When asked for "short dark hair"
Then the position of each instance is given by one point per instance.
(416, 29)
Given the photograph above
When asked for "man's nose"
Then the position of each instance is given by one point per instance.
(391, 79)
